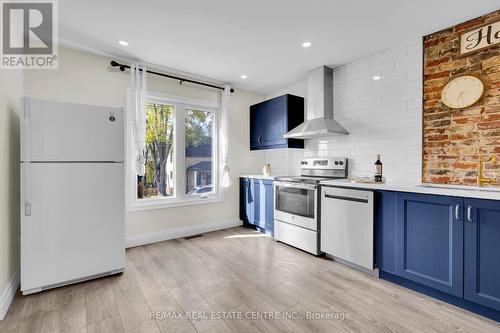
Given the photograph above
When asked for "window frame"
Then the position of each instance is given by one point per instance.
(180, 198)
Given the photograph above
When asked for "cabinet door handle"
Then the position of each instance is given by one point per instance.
(469, 213)
(457, 212)
(259, 139)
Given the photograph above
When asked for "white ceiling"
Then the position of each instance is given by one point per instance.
(221, 39)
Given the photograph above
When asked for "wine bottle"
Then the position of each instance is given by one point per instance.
(378, 170)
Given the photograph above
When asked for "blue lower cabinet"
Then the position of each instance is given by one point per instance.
(429, 241)
(482, 252)
(269, 213)
(385, 231)
(259, 219)
(445, 247)
(257, 203)
(246, 200)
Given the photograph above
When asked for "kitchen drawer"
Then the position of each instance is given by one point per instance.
(301, 238)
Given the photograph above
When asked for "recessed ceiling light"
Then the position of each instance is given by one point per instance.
(377, 78)
(306, 44)
(123, 43)
(243, 76)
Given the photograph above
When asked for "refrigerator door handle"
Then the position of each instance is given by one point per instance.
(27, 209)
(27, 188)
(26, 129)
(25, 154)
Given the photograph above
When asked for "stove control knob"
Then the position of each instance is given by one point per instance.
(341, 163)
(336, 162)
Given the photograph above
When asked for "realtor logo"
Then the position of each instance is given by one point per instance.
(29, 34)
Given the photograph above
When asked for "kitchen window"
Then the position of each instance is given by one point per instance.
(181, 154)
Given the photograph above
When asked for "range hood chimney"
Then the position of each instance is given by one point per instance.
(319, 110)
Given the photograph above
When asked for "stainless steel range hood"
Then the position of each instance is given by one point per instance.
(319, 110)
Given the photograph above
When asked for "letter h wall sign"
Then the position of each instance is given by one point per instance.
(480, 38)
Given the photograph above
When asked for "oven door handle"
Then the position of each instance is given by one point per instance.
(295, 185)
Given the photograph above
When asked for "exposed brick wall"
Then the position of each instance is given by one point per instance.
(453, 140)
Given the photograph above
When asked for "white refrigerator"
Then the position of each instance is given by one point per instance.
(72, 193)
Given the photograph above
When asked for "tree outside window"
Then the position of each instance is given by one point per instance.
(158, 150)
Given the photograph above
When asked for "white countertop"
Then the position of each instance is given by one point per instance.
(258, 177)
(451, 190)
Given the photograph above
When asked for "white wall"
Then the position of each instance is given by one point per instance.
(383, 117)
(11, 87)
(86, 78)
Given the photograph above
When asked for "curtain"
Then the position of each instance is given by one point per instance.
(136, 105)
(226, 117)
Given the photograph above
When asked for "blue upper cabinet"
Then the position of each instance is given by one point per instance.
(274, 112)
(429, 241)
(482, 252)
(271, 119)
(255, 126)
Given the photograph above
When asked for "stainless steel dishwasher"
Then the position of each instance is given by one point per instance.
(347, 225)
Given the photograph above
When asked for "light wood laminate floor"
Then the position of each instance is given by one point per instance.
(231, 273)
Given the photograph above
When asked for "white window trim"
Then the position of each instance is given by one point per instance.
(179, 199)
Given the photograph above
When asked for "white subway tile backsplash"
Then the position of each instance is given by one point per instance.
(416, 103)
(357, 90)
(394, 96)
(401, 70)
(354, 68)
(366, 104)
(389, 108)
(388, 82)
(392, 53)
(383, 117)
(342, 109)
(414, 76)
(409, 59)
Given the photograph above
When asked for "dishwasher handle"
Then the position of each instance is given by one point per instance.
(341, 197)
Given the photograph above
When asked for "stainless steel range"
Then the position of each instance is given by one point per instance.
(297, 202)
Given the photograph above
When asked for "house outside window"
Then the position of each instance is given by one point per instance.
(199, 168)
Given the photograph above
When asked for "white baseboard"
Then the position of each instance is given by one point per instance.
(158, 236)
(9, 293)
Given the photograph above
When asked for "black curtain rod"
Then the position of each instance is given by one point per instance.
(123, 67)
